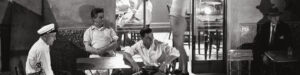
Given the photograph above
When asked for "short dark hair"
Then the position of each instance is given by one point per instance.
(144, 31)
(95, 11)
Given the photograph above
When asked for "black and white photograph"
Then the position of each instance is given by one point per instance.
(149, 37)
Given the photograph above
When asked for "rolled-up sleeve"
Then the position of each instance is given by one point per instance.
(87, 35)
(132, 50)
(113, 34)
(171, 51)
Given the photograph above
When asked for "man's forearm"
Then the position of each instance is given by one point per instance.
(111, 46)
(93, 51)
(129, 58)
(170, 59)
(90, 49)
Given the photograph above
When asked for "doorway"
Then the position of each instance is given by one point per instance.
(209, 36)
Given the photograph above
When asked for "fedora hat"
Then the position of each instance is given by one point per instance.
(274, 12)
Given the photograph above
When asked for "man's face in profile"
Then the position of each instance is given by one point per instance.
(51, 37)
(148, 39)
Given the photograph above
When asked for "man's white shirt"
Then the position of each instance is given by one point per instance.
(99, 37)
(155, 55)
(39, 53)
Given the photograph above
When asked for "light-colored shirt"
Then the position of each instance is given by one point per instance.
(39, 53)
(100, 37)
(155, 55)
(272, 31)
(122, 5)
(140, 12)
(135, 3)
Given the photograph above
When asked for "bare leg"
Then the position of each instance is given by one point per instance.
(178, 22)
(178, 28)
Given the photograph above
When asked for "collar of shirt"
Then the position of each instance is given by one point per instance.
(151, 55)
(97, 28)
(152, 46)
(43, 42)
(273, 24)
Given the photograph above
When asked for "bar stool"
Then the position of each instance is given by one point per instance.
(206, 43)
(218, 42)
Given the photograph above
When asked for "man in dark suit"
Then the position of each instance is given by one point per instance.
(271, 35)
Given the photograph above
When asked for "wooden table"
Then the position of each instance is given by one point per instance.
(280, 58)
(239, 55)
(102, 63)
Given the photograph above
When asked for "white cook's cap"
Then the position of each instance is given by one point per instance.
(46, 29)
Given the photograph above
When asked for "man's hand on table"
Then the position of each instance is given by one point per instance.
(265, 59)
(135, 67)
(100, 52)
(163, 67)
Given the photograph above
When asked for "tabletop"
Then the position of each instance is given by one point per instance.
(280, 56)
(101, 63)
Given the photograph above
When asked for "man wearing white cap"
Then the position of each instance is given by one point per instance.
(38, 60)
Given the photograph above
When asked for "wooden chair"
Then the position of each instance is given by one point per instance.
(19, 69)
